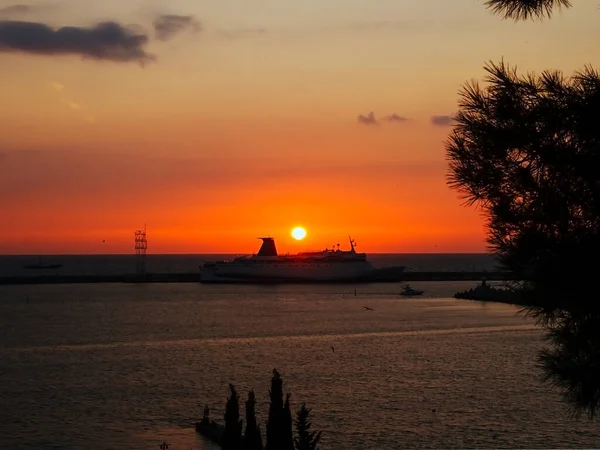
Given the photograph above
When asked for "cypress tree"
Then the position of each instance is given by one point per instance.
(306, 439)
(286, 429)
(275, 422)
(252, 437)
(232, 435)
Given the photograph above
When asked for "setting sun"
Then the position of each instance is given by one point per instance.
(298, 233)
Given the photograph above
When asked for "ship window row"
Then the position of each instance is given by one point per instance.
(293, 265)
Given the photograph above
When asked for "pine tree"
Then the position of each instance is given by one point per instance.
(275, 422)
(232, 435)
(252, 437)
(306, 439)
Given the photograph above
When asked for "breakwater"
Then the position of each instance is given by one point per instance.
(197, 278)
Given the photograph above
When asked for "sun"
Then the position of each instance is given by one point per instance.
(298, 233)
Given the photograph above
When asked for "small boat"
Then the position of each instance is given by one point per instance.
(407, 291)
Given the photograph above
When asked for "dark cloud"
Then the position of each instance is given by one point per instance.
(442, 121)
(104, 41)
(396, 118)
(15, 9)
(168, 25)
(368, 119)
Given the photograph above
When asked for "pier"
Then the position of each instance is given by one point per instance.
(197, 278)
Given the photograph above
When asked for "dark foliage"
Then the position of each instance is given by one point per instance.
(526, 150)
(232, 435)
(572, 362)
(277, 432)
(279, 426)
(252, 437)
(287, 435)
(526, 9)
(305, 438)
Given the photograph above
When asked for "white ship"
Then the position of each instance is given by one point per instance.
(327, 266)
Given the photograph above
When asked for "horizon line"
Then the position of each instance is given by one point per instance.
(217, 253)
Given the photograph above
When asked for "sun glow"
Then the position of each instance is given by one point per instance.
(298, 233)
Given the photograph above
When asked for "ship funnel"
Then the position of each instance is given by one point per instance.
(268, 247)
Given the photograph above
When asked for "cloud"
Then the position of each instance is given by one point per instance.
(29, 174)
(15, 9)
(22, 9)
(368, 119)
(107, 41)
(77, 107)
(396, 118)
(442, 121)
(168, 25)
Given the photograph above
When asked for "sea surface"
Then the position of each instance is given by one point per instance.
(128, 366)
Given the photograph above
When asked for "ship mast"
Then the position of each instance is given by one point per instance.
(352, 244)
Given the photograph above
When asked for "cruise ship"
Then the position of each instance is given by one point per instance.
(327, 266)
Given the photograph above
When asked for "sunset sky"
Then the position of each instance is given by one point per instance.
(227, 120)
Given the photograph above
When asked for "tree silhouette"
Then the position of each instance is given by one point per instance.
(526, 9)
(279, 426)
(252, 437)
(572, 361)
(232, 434)
(526, 150)
(286, 430)
(305, 439)
(275, 421)
(570, 313)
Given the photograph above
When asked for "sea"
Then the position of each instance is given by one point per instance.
(130, 366)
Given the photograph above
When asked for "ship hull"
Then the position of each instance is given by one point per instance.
(386, 275)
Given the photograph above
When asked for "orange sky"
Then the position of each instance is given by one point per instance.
(245, 124)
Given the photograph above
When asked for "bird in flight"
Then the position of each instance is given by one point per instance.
(368, 309)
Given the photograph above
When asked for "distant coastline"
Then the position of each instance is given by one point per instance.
(36, 255)
(187, 266)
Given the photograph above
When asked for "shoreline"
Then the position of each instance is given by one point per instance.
(197, 278)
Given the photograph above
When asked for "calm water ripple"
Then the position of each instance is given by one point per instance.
(128, 366)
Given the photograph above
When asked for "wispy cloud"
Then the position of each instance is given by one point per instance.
(15, 10)
(108, 41)
(24, 9)
(369, 119)
(396, 118)
(167, 26)
(66, 99)
(442, 121)
(49, 173)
